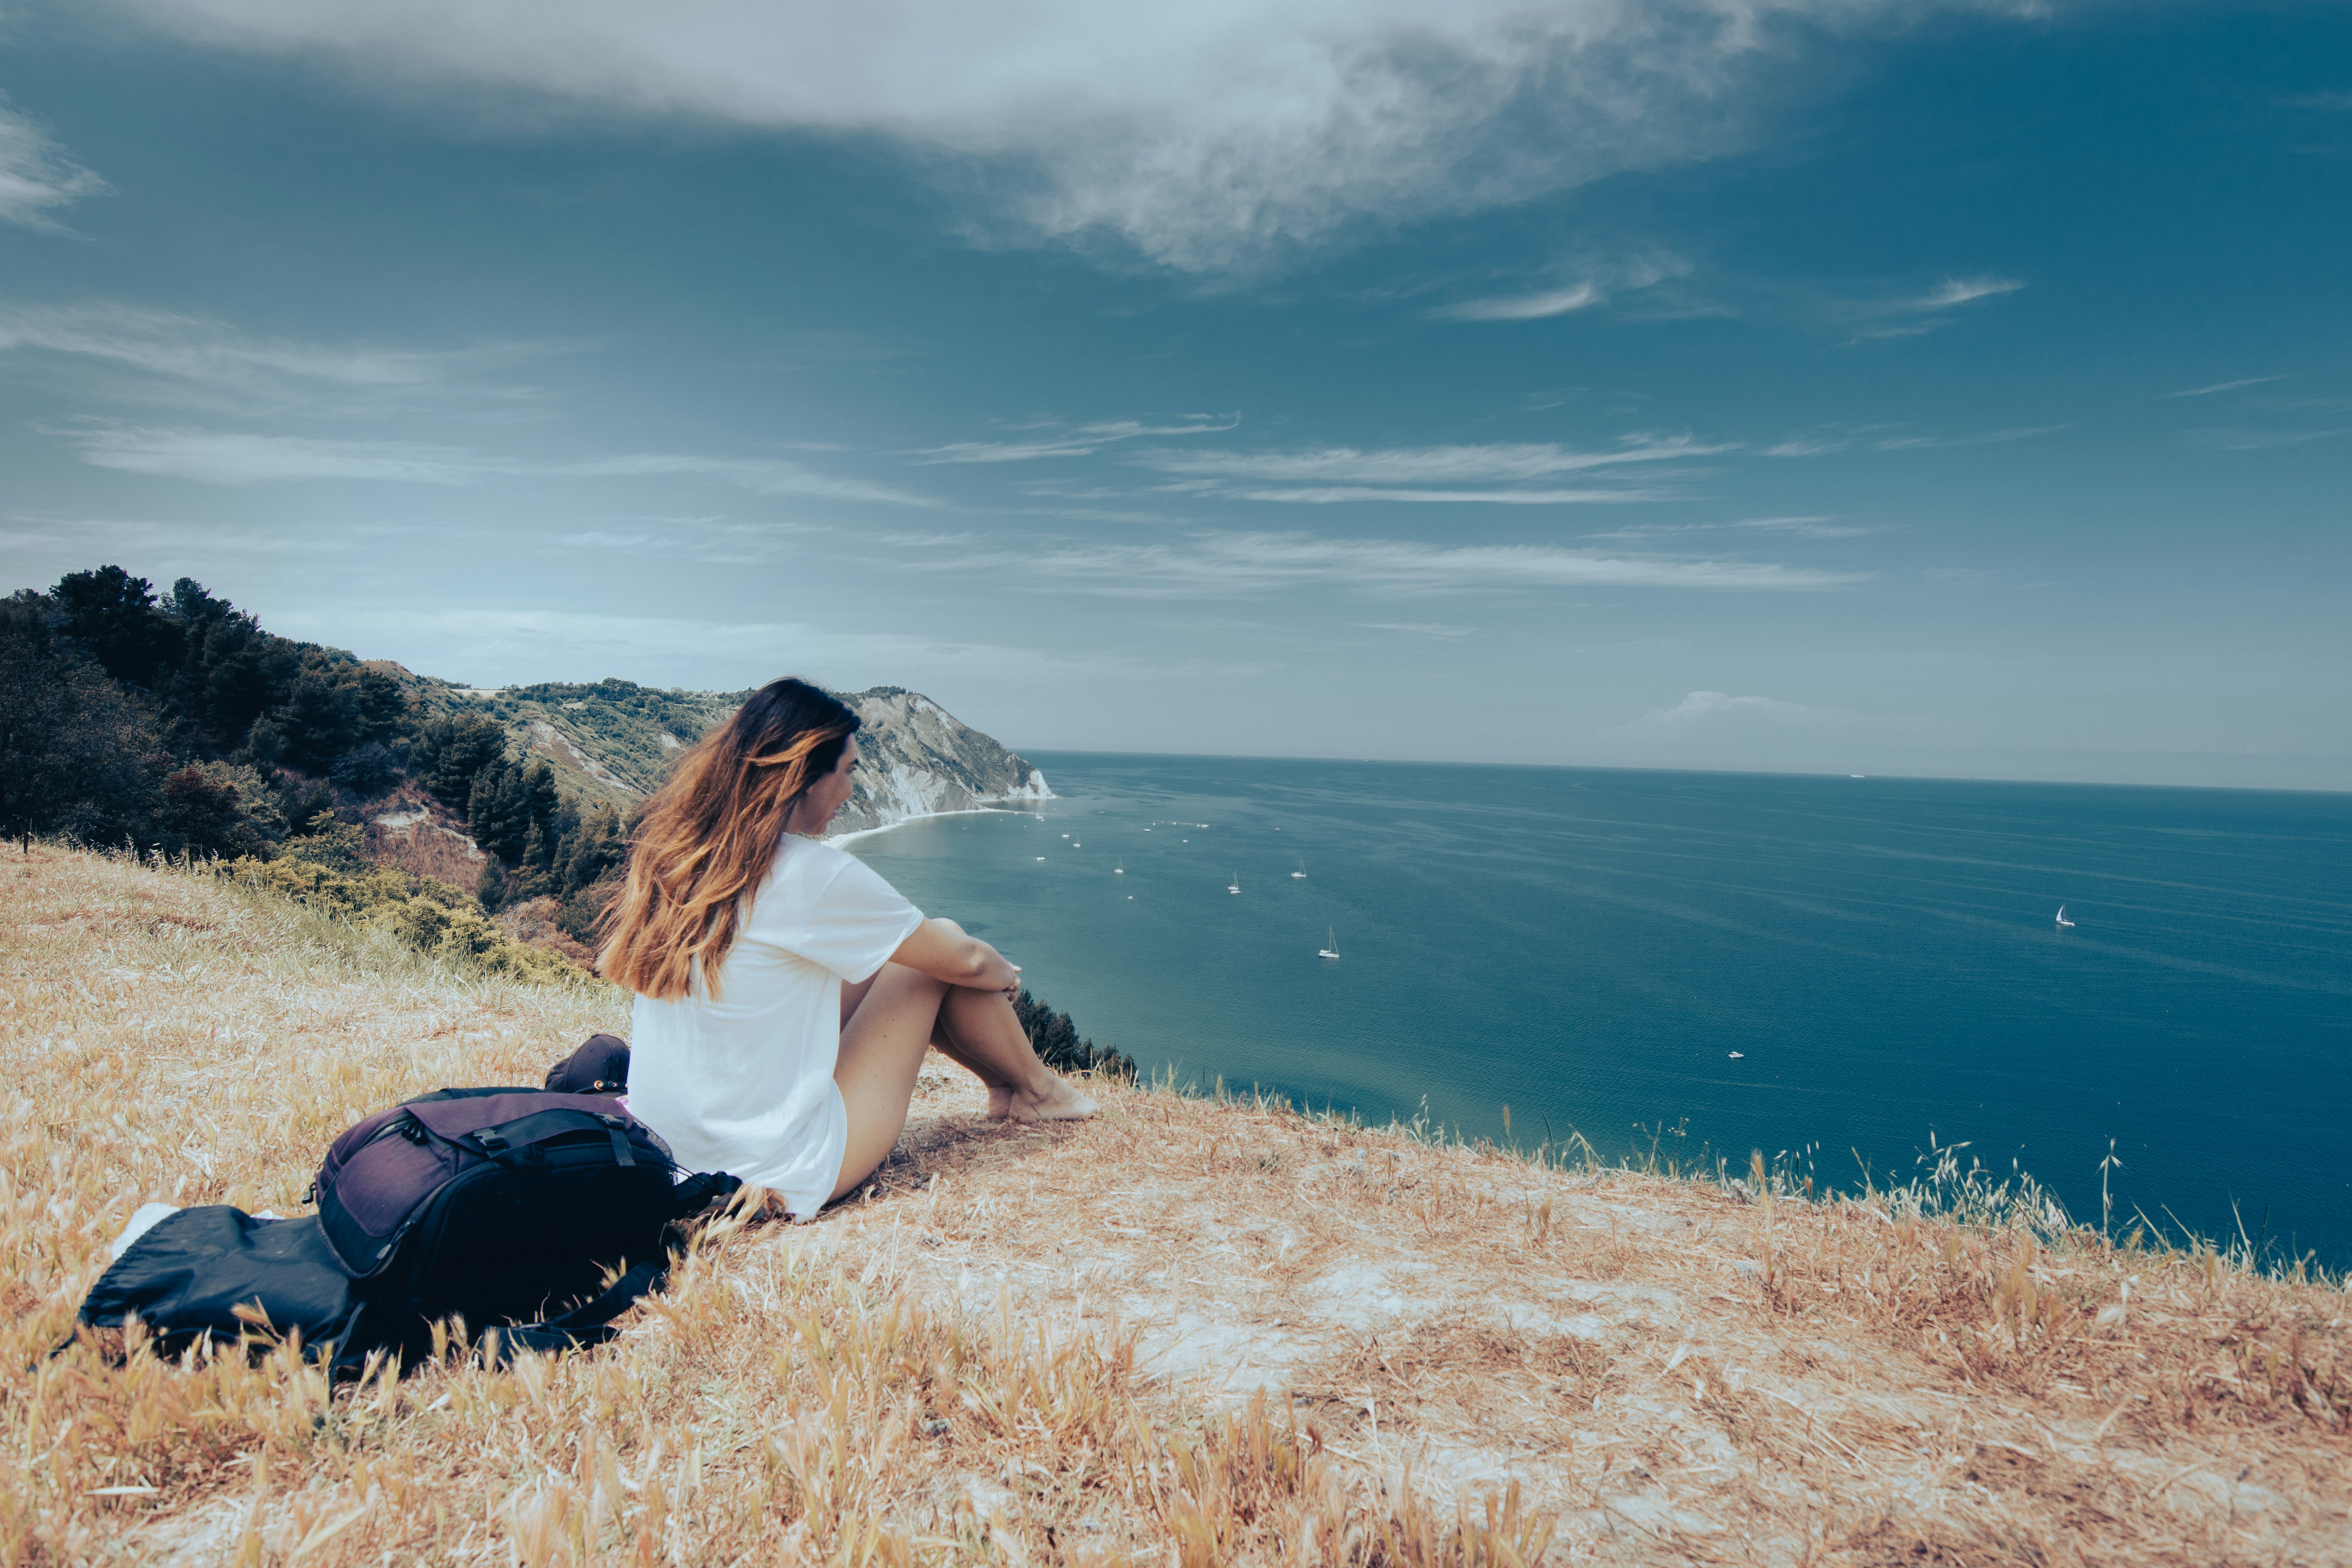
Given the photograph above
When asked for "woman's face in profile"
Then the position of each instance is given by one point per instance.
(829, 793)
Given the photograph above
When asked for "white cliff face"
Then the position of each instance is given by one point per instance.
(917, 759)
(613, 742)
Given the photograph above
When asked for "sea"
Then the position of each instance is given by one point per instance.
(1844, 974)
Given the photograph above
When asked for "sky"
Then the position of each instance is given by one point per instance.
(1832, 385)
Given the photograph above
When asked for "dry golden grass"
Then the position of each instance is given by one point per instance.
(1191, 1333)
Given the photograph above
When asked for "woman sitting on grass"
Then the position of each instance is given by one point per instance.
(785, 993)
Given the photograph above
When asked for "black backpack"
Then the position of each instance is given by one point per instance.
(601, 1066)
(541, 1216)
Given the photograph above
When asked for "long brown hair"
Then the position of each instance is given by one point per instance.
(710, 833)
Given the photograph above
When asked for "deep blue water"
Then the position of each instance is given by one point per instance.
(1589, 946)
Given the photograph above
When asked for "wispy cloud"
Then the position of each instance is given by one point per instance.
(1327, 495)
(1716, 718)
(760, 475)
(129, 355)
(501, 645)
(231, 457)
(1075, 440)
(1912, 315)
(36, 175)
(1701, 707)
(1497, 474)
(1415, 628)
(1974, 438)
(1212, 563)
(2225, 386)
(1823, 527)
(1390, 471)
(1522, 307)
(710, 541)
(1954, 291)
(1206, 139)
(2239, 438)
(227, 457)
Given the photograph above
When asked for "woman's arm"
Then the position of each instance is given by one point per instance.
(941, 949)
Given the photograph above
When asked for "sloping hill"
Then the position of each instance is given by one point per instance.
(612, 743)
(1191, 1332)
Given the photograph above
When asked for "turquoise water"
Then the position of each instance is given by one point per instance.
(1590, 947)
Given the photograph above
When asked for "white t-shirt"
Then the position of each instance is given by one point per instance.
(742, 1082)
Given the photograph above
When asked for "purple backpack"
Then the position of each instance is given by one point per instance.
(540, 1213)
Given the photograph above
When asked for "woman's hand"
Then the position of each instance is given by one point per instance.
(1003, 974)
(941, 949)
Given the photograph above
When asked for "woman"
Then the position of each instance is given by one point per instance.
(785, 993)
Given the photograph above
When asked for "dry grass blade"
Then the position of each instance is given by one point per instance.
(1200, 1331)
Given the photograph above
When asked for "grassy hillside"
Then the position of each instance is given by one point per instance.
(1192, 1332)
(611, 743)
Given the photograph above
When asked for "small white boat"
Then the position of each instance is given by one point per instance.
(1331, 935)
(2062, 921)
(1120, 870)
(1301, 875)
(1737, 1055)
(1236, 886)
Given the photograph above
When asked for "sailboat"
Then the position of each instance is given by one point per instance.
(1120, 870)
(2062, 921)
(1301, 875)
(1331, 935)
(1236, 886)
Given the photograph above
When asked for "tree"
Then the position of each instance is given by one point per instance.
(450, 752)
(113, 616)
(383, 706)
(367, 770)
(321, 720)
(204, 811)
(77, 754)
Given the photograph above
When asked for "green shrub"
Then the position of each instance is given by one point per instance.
(424, 915)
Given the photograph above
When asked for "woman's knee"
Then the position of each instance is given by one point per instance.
(903, 980)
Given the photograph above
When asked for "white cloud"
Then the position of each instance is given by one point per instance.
(499, 646)
(1414, 628)
(760, 475)
(1713, 708)
(2238, 438)
(197, 348)
(1825, 526)
(1074, 441)
(1960, 291)
(1916, 315)
(1521, 307)
(1326, 495)
(231, 457)
(1209, 564)
(1497, 463)
(1206, 137)
(224, 457)
(2225, 386)
(36, 174)
(1498, 474)
(1977, 438)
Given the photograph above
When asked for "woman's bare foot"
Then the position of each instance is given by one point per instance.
(1060, 1101)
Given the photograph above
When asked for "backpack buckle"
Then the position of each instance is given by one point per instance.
(491, 1140)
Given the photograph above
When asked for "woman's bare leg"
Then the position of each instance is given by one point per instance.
(984, 1034)
(896, 1016)
(882, 1047)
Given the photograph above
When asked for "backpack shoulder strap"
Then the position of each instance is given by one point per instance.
(590, 1324)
